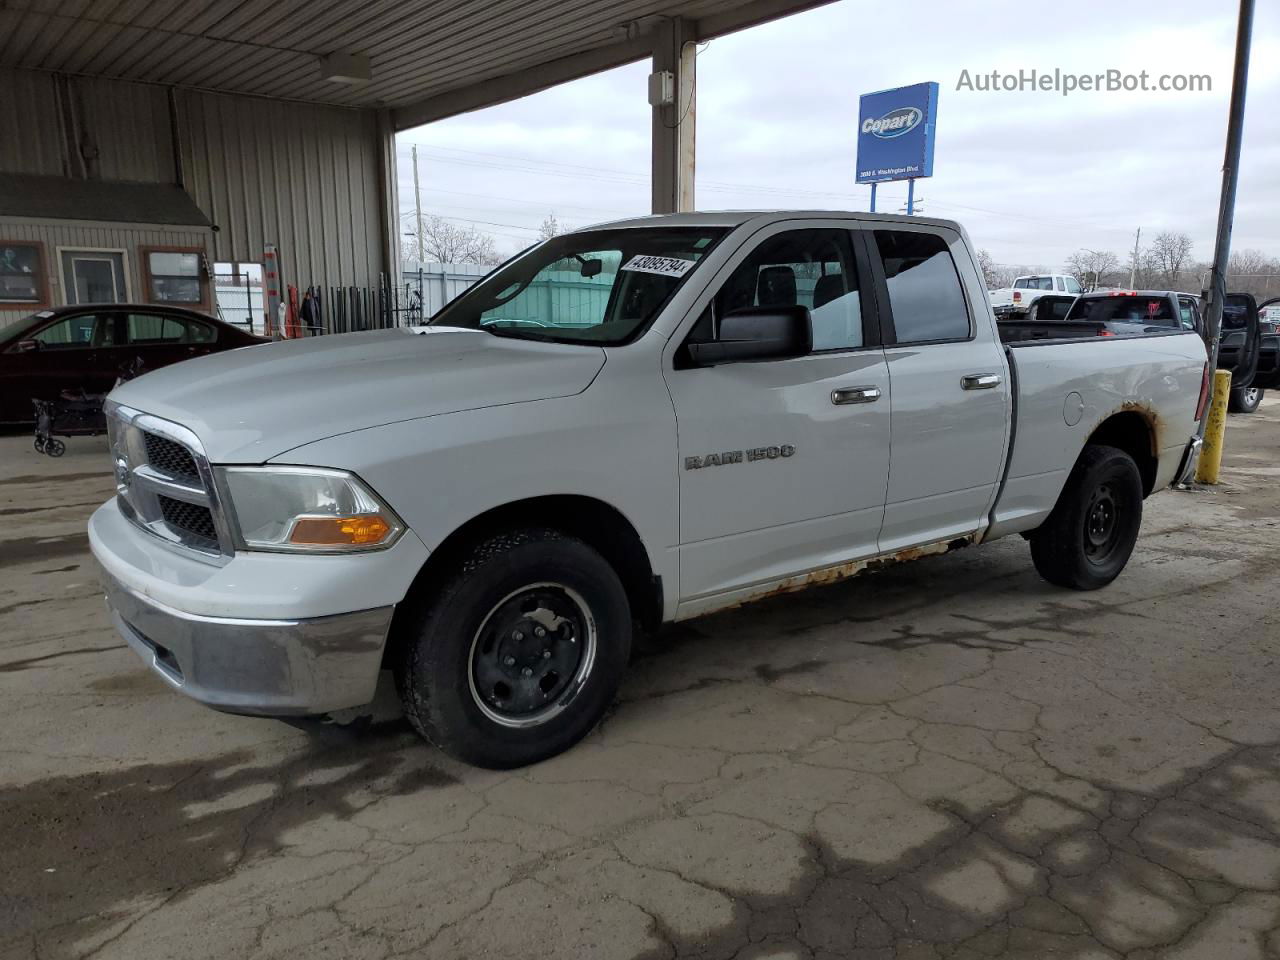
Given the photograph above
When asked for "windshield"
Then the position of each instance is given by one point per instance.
(596, 286)
(1150, 311)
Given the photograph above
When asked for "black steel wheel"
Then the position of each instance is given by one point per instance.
(1088, 538)
(532, 646)
(517, 656)
(39, 444)
(54, 447)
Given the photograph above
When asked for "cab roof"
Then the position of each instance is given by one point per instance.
(735, 218)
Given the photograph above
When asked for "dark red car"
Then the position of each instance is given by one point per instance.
(88, 346)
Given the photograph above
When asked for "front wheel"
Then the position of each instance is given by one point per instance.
(1089, 536)
(1244, 399)
(519, 655)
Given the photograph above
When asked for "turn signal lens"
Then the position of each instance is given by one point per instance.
(365, 530)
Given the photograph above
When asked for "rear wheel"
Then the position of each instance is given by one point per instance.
(519, 655)
(1091, 532)
(1244, 399)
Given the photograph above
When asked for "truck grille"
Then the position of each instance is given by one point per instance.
(193, 519)
(164, 483)
(170, 457)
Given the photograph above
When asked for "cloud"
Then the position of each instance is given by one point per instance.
(1033, 175)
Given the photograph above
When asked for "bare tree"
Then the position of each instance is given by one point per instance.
(987, 264)
(1093, 268)
(1170, 251)
(1252, 271)
(446, 242)
(550, 228)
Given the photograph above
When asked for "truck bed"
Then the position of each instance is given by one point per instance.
(1065, 387)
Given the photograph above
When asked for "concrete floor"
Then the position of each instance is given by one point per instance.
(947, 759)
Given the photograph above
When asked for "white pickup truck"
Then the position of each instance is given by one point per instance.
(635, 423)
(1015, 301)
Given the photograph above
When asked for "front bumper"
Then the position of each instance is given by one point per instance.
(266, 667)
(265, 634)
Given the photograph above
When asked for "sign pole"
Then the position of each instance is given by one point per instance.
(911, 196)
(873, 197)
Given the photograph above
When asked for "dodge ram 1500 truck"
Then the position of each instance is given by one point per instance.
(635, 423)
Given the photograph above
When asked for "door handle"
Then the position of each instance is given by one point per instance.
(855, 395)
(980, 381)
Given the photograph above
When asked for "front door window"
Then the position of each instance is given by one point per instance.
(94, 276)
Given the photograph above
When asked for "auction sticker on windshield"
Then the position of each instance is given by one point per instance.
(664, 266)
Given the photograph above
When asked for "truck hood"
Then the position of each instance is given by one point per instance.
(255, 403)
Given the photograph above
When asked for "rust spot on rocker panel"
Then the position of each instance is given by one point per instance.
(843, 571)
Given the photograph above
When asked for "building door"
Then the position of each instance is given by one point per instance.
(94, 276)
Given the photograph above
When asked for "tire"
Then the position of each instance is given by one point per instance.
(1244, 399)
(1089, 536)
(517, 657)
(55, 448)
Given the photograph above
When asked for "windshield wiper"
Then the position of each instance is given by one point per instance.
(522, 333)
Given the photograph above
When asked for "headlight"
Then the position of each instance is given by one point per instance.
(307, 510)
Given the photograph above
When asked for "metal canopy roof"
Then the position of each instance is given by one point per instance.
(418, 51)
(59, 198)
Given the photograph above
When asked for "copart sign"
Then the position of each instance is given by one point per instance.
(895, 133)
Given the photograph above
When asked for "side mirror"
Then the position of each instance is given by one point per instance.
(591, 268)
(757, 333)
(26, 346)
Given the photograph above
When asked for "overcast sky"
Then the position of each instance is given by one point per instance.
(1034, 176)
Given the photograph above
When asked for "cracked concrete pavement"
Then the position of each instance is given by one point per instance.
(946, 759)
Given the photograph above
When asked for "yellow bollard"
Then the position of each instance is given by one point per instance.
(1210, 465)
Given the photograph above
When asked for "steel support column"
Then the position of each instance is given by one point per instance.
(674, 125)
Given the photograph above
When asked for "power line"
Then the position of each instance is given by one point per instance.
(560, 169)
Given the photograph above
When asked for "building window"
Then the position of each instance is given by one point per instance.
(175, 275)
(22, 274)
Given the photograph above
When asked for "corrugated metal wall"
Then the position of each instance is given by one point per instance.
(128, 123)
(303, 176)
(95, 236)
(29, 117)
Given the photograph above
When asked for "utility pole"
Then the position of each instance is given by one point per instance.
(1217, 291)
(417, 202)
(1133, 264)
(1213, 424)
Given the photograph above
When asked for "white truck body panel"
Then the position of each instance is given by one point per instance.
(451, 424)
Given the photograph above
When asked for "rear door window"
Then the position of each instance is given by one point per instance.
(155, 328)
(925, 296)
(1149, 311)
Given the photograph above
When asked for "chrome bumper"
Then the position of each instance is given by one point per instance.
(264, 667)
(1190, 460)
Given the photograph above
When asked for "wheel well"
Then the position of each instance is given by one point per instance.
(1135, 434)
(592, 521)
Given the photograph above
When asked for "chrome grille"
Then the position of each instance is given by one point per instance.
(164, 483)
